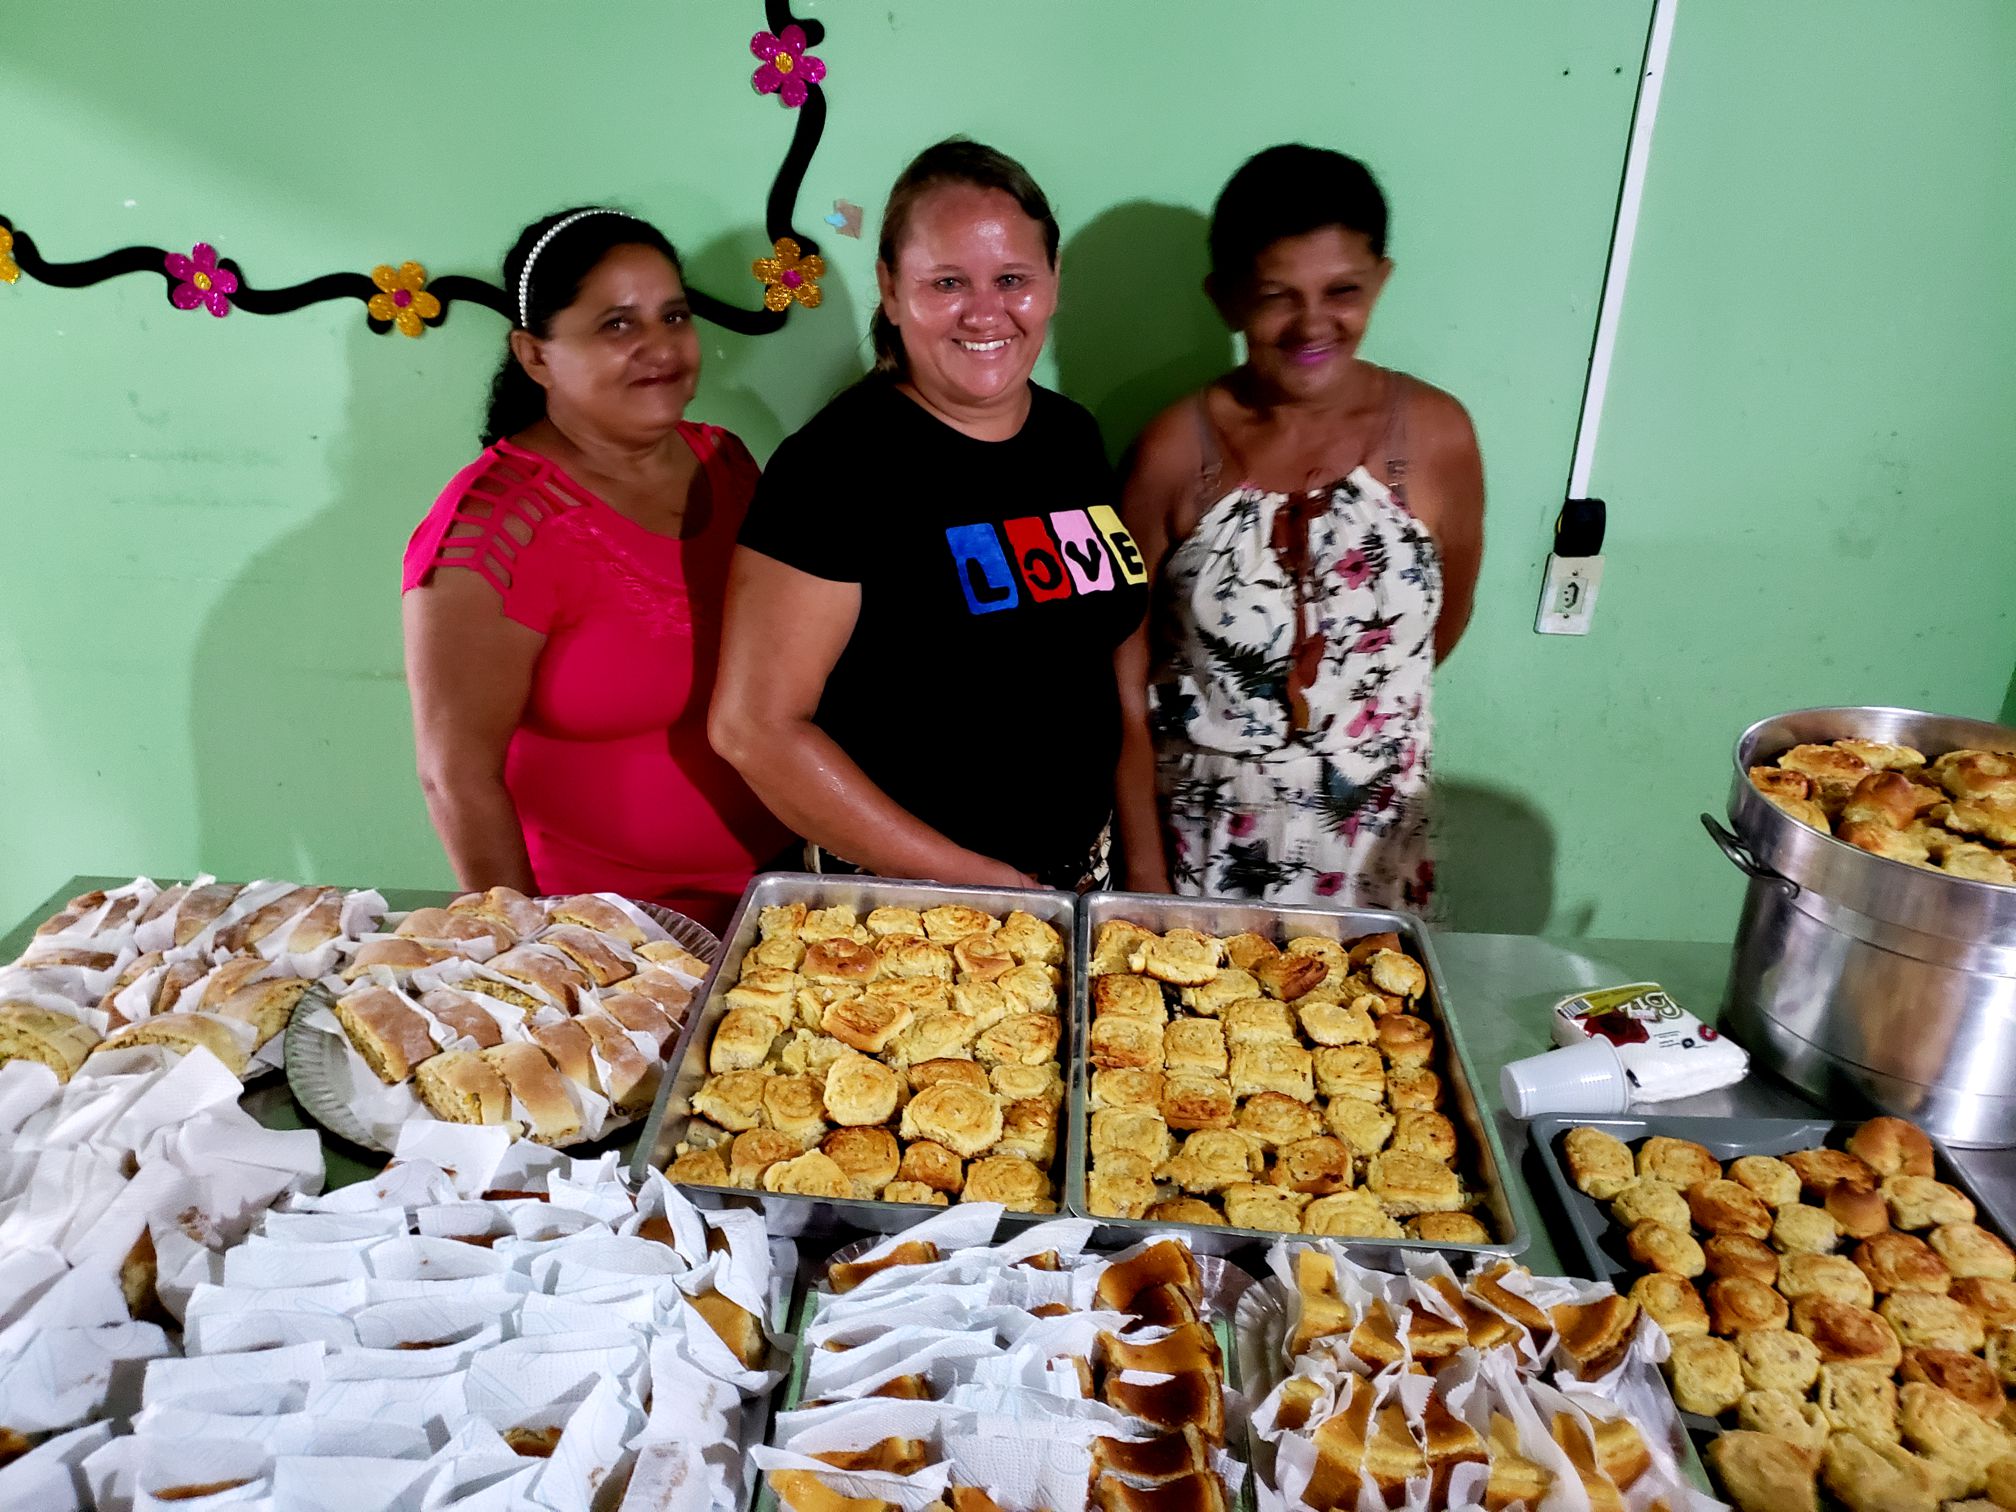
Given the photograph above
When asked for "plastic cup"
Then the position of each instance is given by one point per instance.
(1584, 1078)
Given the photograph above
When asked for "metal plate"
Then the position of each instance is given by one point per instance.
(1601, 1242)
(1161, 913)
(318, 1064)
(793, 1215)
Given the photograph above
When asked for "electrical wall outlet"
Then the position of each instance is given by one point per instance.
(1568, 595)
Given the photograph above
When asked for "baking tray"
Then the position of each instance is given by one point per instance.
(1161, 913)
(311, 1056)
(784, 1212)
(1226, 1288)
(1601, 1242)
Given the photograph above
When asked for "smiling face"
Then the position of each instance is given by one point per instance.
(623, 359)
(1305, 309)
(971, 293)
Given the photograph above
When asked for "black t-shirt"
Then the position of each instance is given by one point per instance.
(996, 583)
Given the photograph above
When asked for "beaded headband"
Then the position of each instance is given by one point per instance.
(525, 273)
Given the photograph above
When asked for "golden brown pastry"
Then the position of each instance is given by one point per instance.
(1117, 1041)
(1860, 1211)
(1135, 1130)
(1364, 1126)
(752, 1153)
(1317, 1165)
(812, 1174)
(1276, 1120)
(1126, 1088)
(1598, 1163)
(908, 957)
(1784, 1414)
(1335, 1023)
(963, 1120)
(1274, 1209)
(1728, 1207)
(860, 1091)
(1414, 1089)
(928, 1163)
(1798, 1228)
(890, 920)
(1213, 1159)
(178, 1031)
(842, 962)
(386, 1030)
(44, 1035)
(1650, 1200)
(1192, 1044)
(1407, 1184)
(1834, 1277)
(1031, 940)
(1823, 1170)
(699, 1168)
(1868, 1476)
(1129, 997)
(785, 953)
(1655, 1246)
(950, 923)
(1993, 1302)
(1737, 1305)
(742, 1040)
(1760, 1473)
(1740, 1255)
(1970, 1250)
(1882, 798)
(1966, 1376)
(1408, 1043)
(1029, 1129)
(1353, 1214)
(1271, 1066)
(1781, 782)
(1395, 973)
(466, 1017)
(1289, 977)
(1112, 1194)
(868, 1156)
(1011, 1181)
(538, 1087)
(1969, 774)
(1778, 1360)
(982, 957)
(1350, 1071)
(1181, 957)
(1183, 1210)
(1949, 1433)
(1805, 810)
(796, 1105)
(1257, 1021)
(985, 1003)
(1021, 1039)
(1680, 1161)
(1244, 951)
(1902, 1262)
(868, 1023)
(1847, 1335)
(459, 1086)
(1229, 986)
(840, 922)
(1775, 1183)
(1114, 946)
(1671, 1302)
(1707, 1375)
(1892, 1147)
(603, 964)
(1929, 1321)
(1416, 1132)
(1029, 989)
(1447, 1228)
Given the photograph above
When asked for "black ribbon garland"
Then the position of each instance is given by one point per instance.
(455, 288)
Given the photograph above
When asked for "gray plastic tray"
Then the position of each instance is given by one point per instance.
(792, 1215)
(1601, 1242)
(1480, 1152)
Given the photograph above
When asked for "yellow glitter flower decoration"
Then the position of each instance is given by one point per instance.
(402, 297)
(9, 269)
(790, 275)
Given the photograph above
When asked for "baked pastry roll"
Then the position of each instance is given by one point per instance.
(1406, 1184)
(1195, 1045)
(982, 957)
(1977, 863)
(1918, 1202)
(538, 1087)
(1805, 810)
(1778, 1360)
(1834, 1277)
(1129, 997)
(1884, 799)
(672, 996)
(916, 1192)
(1335, 1023)
(767, 989)
(1736, 1305)
(1845, 1334)
(963, 1120)
(1680, 1161)
(949, 923)
(1420, 1088)
(1029, 1129)
(506, 906)
(1245, 951)
(1363, 1126)
(1859, 1399)
(1350, 1214)
(265, 1005)
(756, 1150)
(1834, 772)
(1123, 1088)
(1728, 1207)
(1740, 1255)
(890, 920)
(1783, 1413)
(870, 1157)
(1820, 1171)
(400, 957)
(1398, 974)
(943, 1035)
(1775, 1183)
(1276, 1120)
(1272, 1066)
(1289, 977)
(811, 1174)
(1030, 940)
(46, 1036)
(1950, 1434)
(1993, 1302)
(1213, 1159)
(1671, 1302)
(1781, 782)
(983, 1002)
(1022, 1039)
(1191, 1100)
(784, 921)
(869, 1023)
(931, 1164)
(796, 1105)
(742, 1040)
(1114, 945)
(460, 1086)
(699, 1168)
(602, 963)
(1231, 985)
(1011, 1181)
(1594, 1336)
(1012, 1083)
(386, 1030)
(836, 923)
(1029, 989)
(1672, 1250)
(1902, 1262)
(907, 955)
(1970, 1250)
(178, 1031)
(1428, 1134)
(1182, 957)
(1257, 1021)
(1966, 1377)
(1859, 1212)
(1968, 774)
(1798, 1228)
(860, 1091)
(1318, 1165)
(1124, 1194)
(1925, 1320)
(1881, 840)
(1761, 1473)
(1349, 1071)
(1707, 1375)
(1447, 1228)
(732, 1099)
(467, 1018)
(596, 916)
(1125, 1043)
(841, 962)
(526, 976)
(1131, 1129)
(1275, 1209)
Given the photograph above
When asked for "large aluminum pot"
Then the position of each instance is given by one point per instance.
(1861, 976)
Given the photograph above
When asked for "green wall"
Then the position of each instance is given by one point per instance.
(199, 652)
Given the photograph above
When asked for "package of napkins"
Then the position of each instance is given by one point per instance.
(483, 1325)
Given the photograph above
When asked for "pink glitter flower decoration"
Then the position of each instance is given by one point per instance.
(786, 72)
(204, 285)
(1354, 567)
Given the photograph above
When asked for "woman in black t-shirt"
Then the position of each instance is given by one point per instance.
(917, 669)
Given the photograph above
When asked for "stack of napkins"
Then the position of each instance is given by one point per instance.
(946, 1372)
(484, 1325)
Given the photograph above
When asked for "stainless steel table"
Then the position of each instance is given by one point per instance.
(1500, 986)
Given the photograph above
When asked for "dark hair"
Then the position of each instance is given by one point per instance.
(1286, 191)
(563, 263)
(956, 160)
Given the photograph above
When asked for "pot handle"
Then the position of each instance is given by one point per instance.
(1740, 857)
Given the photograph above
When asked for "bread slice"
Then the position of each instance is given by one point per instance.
(539, 1088)
(183, 1032)
(55, 1039)
(388, 1032)
(630, 1077)
(461, 1087)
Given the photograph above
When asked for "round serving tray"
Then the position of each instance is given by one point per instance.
(318, 1065)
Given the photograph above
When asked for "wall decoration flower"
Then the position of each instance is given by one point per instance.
(9, 269)
(402, 297)
(789, 275)
(787, 71)
(204, 285)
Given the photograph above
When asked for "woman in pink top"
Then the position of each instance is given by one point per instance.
(560, 681)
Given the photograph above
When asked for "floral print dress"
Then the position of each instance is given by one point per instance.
(1295, 640)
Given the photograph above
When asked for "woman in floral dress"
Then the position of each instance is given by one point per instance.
(1313, 525)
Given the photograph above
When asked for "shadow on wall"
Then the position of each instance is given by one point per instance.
(1133, 331)
(1494, 861)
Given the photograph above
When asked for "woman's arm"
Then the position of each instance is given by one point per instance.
(785, 629)
(1447, 492)
(469, 673)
